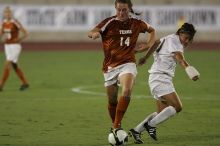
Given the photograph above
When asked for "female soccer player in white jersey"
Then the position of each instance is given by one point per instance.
(10, 29)
(167, 51)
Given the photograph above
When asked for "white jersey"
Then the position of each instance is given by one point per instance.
(164, 61)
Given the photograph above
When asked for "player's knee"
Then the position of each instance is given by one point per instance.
(113, 103)
(112, 99)
(14, 65)
(8, 64)
(178, 108)
(126, 92)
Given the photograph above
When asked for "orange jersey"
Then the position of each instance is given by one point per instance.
(11, 30)
(119, 40)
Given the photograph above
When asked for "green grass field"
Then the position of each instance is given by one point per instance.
(51, 114)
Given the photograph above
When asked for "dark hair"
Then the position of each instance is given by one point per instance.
(130, 5)
(187, 28)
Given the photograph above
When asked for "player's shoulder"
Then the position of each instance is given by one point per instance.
(16, 22)
(110, 18)
(11, 21)
(4, 21)
(172, 37)
(136, 18)
(106, 22)
(174, 40)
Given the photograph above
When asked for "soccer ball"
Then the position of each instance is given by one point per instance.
(119, 139)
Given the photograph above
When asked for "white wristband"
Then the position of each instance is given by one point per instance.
(191, 72)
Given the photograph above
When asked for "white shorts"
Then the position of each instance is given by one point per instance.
(112, 75)
(160, 84)
(12, 52)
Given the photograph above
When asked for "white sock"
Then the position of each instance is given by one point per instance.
(162, 116)
(140, 127)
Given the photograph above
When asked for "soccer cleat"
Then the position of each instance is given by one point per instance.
(24, 87)
(114, 131)
(117, 137)
(151, 131)
(136, 135)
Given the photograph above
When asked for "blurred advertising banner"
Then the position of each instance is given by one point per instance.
(82, 18)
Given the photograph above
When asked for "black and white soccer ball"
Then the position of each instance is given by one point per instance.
(120, 138)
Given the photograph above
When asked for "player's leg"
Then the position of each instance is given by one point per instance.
(15, 55)
(126, 81)
(112, 93)
(7, 65)
(136, 132)
(168, 106)
(161, 105)
(171, 105)
(150, 129)
(5, 75)
(140, 127)
(20, 74)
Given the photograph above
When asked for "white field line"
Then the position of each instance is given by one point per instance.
(87, 90)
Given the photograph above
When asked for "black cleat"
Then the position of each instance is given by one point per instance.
(136, 135)
(24, 87)
(151, 131)
(114, 131)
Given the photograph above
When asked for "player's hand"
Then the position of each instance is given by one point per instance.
(142, 61)
(141, 48)
(94, 35)
(18, 40)
(195, 78)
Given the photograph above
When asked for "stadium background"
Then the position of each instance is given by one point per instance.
(67, 98)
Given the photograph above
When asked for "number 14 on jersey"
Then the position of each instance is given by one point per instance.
(125, 41)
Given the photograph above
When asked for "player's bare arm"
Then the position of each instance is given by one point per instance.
(152, 38)
(24, 32)
(181, 59)
(149, 52)
(143, 47)
(1, 31)
(94, 33)
(190, 70)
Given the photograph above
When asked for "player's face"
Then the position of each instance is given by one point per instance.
(7, 13)
(185, 39)
(122, 11)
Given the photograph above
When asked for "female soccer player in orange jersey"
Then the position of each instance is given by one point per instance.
(10, 29)
(119, 35)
